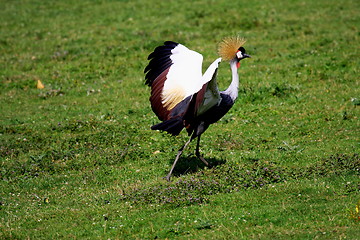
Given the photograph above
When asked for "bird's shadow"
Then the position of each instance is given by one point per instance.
(192, 164)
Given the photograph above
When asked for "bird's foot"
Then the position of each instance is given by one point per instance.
(203, 160)
(168, 178)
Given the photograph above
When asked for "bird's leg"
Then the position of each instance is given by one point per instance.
(197, 152)
(177, 158)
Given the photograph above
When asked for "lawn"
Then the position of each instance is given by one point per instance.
(78, 158)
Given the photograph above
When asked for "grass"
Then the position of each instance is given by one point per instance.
(78, 158)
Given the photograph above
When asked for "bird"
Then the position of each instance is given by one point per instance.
(182, 97)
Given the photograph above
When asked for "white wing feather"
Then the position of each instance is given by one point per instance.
(212, 95)
(184, 77)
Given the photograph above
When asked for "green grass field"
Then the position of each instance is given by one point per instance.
(78, 158)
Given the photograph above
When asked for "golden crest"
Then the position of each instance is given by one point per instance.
(229, 47)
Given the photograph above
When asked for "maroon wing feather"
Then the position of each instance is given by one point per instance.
(189, 117)
(156, 72)
(155, 99)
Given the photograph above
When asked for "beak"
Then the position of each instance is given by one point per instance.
(246, 55)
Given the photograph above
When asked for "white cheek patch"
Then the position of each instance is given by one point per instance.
(239, 54)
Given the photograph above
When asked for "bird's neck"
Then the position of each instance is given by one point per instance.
(232, 90)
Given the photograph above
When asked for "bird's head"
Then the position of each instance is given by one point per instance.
(241, 54)
(231, 49)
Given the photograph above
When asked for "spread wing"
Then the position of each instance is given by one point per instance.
(209, 94)
(173, 73)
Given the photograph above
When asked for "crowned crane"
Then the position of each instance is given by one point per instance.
(183, 97)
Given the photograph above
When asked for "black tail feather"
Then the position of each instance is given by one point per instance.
(172, 126)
